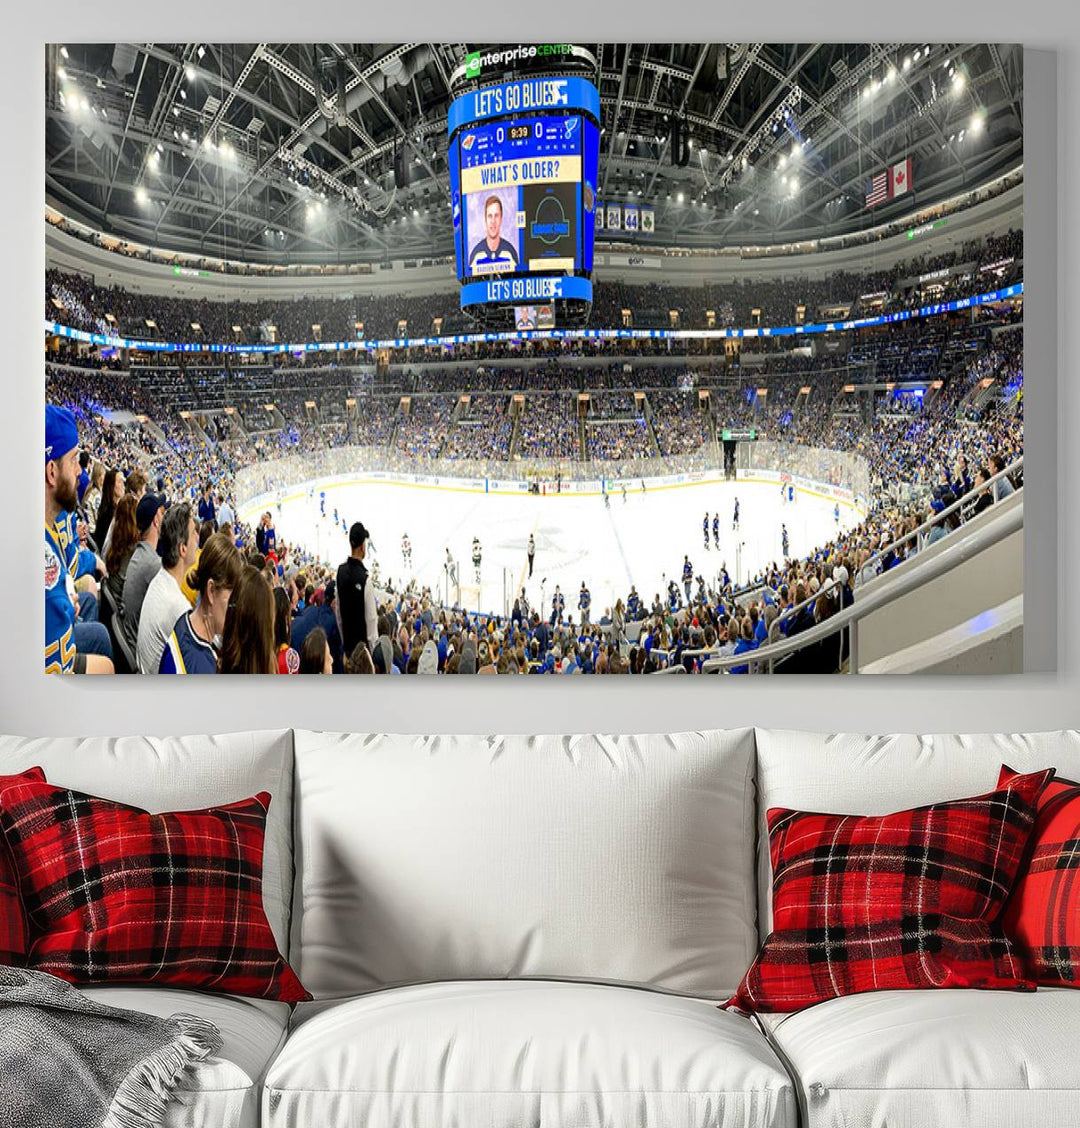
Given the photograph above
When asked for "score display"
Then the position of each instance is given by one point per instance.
(520, 191)
(523, 190)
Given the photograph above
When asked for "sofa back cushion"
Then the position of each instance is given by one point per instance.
(850, 773)
(179, 774)
(620, 859)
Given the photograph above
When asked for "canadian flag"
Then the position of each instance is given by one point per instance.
(900, 178)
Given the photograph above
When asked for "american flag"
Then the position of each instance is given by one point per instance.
(879, 189)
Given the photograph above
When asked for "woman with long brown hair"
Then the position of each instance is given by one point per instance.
(125, 536)
(112, 490)
(247, 644)
(192, 648)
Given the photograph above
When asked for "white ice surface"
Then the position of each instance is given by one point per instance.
(640, 541)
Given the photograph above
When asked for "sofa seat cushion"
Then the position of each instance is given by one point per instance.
(521, 1054)
(909, 1059)
(223, 1091)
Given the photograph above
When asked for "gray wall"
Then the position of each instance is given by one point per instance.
(32, 704)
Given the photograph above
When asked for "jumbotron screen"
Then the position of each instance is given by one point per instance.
(523, 187)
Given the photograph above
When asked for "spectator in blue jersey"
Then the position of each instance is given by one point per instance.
(746, 642)
(206, 505)
(192, 648)
(493, 249)
(70, 647)
(84, 474)
(321, 615)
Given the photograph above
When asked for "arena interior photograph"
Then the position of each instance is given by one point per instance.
(675, 359)
(637, 354)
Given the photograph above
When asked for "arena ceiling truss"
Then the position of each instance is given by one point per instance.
(281, 153)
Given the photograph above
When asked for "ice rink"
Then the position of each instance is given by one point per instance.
(640, 540)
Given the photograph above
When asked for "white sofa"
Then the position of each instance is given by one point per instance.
(534, 932)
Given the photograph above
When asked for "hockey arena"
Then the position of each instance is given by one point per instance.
(762, 413)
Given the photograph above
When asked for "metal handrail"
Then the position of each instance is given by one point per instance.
(960, 502)
(774, 628)
(952, 556)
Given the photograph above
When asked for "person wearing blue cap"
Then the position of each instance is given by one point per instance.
(70, 646)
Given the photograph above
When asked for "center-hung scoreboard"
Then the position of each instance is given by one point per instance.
(523, 157)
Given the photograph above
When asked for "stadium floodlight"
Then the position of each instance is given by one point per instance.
(907, 63)
(160, 147)
(201, 51)
(183, 94)
(64, 52)
(977, 122)
(189, 72)
(891, 76)
(794, 185)
(783, 163)
(959, 81)
(141, 195)
(680, 197)
(61, 74)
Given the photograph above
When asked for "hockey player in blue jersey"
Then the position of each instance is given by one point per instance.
(322, 503)
(784, 540)
(705, 529)
(687, 576)
(584, 603)
(633, 605)
(791, 493)
(558, 606)
(735, 517)
(716, 530)
(836, 513)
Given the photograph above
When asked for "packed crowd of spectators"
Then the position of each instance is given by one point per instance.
(548, 427)
(483, 431)
(941, 444)
(84, 305)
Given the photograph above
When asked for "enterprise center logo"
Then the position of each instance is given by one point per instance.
(477, 61)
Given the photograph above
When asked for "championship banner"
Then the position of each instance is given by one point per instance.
(630, 217)
(614, 217)
(648, 221)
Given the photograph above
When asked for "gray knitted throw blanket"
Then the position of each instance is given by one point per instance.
(67, 1061)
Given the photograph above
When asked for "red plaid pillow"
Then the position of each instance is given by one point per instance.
(908, 900)
(1042, 917)
(117, 895)
(13, 931)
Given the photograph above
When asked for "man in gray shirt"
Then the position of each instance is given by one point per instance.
(144, 564)
(164, 602)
